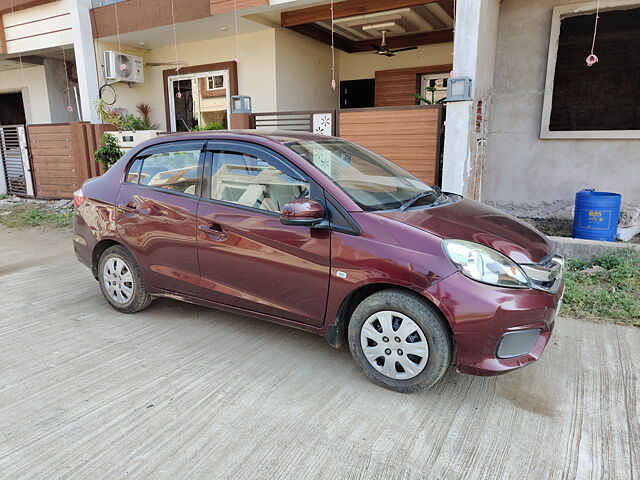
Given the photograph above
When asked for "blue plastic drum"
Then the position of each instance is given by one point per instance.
(596, 215)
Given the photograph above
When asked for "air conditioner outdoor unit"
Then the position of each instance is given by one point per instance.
(120, 67)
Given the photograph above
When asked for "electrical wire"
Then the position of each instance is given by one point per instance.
(66, 77)
(592, 59)
(333, 50)
(175, 45)
(19, 55)
(235, 16)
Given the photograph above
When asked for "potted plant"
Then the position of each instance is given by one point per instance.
(132, 129)
(109, 151)
(432, 100)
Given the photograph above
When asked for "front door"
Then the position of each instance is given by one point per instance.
(358, 93)
(199, 101)
(247, 257)
(157, 215)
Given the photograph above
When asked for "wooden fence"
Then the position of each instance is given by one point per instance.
(409, 136)
(62, 156)
(318, 121)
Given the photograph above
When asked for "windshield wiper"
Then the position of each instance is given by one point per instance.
(420, 196)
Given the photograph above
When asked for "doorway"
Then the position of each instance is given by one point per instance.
(358, 93)
(12, 109)
(199, 101)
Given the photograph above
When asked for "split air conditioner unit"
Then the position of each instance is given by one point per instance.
(120, 67)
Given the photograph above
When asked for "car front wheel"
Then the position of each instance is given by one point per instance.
(400, 341)
(121, 281)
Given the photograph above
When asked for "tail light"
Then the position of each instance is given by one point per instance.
(78, 198)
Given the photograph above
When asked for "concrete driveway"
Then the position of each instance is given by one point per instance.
(183, 392)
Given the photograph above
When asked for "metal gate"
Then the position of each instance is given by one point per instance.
(15, 165)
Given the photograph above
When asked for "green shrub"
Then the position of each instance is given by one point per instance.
(109, 152)
(208, 126)
(128, 121)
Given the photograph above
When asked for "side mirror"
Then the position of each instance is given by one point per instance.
(302, 212)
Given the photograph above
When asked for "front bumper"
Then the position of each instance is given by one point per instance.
(481, 315)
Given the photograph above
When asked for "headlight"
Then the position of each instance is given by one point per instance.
(484, 264)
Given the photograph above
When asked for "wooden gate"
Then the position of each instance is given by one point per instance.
(322, 122)
(14, 161)
(408, 136)
(62, 156)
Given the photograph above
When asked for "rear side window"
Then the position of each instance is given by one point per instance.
(173, 167)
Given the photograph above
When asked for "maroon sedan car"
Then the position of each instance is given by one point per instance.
(321, 234)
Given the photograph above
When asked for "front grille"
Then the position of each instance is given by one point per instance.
(546, 275)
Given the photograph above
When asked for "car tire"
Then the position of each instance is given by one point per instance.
(121, 281)
(408, 362)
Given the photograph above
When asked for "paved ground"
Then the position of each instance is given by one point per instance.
(180, 391)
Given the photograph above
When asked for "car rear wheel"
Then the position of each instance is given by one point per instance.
(121, 281)
(400, 341)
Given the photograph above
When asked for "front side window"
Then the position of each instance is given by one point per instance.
(372, 181)
(254, 182)
(175, 170)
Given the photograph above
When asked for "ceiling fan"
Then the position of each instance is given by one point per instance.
(383, 49)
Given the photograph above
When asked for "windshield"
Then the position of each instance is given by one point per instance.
(372, 181)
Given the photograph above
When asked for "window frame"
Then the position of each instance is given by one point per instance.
(273, 158)
(212, 78)
(559, 13)
(168, 147)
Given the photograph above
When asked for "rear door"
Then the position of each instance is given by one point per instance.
(157, 206)
(247, 257)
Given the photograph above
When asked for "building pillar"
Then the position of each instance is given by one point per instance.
(476, 31)
(85, 59)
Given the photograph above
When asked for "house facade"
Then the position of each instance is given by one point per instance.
(521, 140)
(551, 125)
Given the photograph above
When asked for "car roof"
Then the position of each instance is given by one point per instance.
(279, 136)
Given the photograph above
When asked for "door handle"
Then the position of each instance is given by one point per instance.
(128, 208)
(214, 229)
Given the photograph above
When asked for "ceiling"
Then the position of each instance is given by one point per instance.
(35, 58)
(217, 26)
(401, 21)
(357, 25)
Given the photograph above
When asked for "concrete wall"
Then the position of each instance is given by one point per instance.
(256, 70)
(33, 85)
(524, 174)
(280, 69)
(356, 66)
(57, 92)
(303, 73)
(43, 26)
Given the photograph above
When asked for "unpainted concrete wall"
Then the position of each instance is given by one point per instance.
(55, 76)
(524, 174)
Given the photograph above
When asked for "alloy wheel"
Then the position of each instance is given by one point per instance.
(394, 345)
